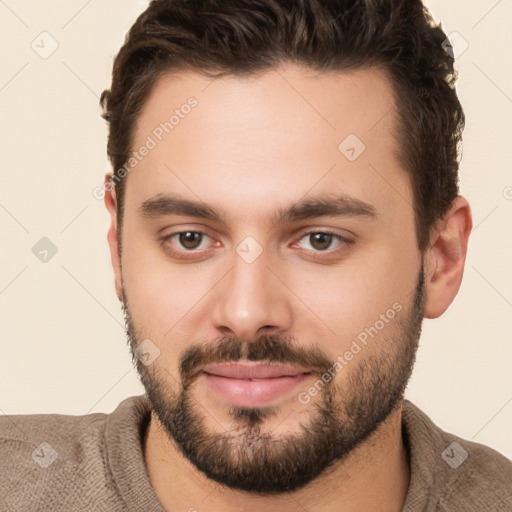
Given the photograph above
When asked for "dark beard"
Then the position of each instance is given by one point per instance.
(256, 461)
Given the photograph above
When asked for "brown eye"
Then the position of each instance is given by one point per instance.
(320, 241)
(323, 242)
(188, 245)
(190, 239)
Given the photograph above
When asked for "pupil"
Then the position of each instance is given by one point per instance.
(189, 239)
(323, 238)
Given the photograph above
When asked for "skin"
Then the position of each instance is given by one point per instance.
(251, 146)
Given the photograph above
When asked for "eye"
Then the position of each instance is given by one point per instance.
(321, 241)
(187, 240)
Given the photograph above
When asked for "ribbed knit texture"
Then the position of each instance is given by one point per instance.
(97, 464)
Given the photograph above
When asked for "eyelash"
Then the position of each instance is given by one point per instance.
(182, 254)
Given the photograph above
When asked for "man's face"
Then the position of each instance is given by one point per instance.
(322, 291)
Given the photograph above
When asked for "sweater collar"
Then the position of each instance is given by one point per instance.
(126, 427)
(124, 435)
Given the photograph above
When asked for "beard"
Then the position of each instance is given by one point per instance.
(250, 457)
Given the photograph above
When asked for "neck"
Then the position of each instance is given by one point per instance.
(374, 476)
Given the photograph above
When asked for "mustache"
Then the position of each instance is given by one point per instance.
(265, 349)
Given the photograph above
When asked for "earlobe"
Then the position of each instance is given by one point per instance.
(113, 235)
(446, 257)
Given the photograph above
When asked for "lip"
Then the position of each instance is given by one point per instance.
(253, 370)
(253, 384)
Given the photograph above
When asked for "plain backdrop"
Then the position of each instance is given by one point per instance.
(63, 345)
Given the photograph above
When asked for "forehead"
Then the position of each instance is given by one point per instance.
(239, 141)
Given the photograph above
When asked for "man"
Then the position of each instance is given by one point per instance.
(284, 213)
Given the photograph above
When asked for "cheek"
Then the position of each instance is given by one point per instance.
(159, 293)
(339, 303)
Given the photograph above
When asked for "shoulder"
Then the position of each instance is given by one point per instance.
(477, 474)
(459, 473)
(54, 459)
(42, 440)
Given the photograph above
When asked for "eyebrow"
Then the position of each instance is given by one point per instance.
(341, 205)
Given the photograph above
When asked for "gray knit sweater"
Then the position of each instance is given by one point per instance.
(51, 462)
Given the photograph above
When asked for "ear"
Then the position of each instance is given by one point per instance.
(113, 235)
(446, 256)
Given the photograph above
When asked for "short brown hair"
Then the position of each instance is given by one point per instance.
(241, 37)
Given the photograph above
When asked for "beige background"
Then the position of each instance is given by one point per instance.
(63, 346)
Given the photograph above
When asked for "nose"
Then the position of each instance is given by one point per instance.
(251, 301)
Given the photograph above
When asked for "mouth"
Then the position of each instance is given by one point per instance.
(253, 384)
